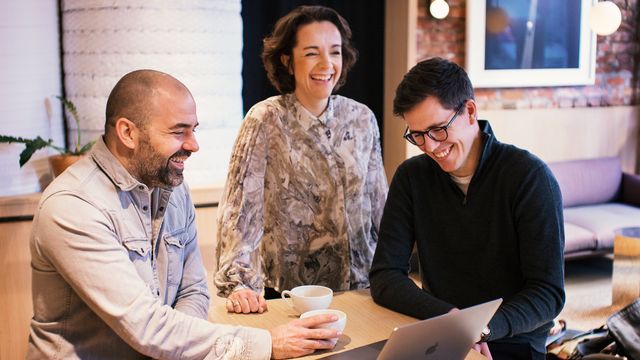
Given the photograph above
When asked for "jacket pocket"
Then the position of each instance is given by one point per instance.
(174, 244)
(139, 249)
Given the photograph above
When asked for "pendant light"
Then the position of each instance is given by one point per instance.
(439, 9)
(605, 18)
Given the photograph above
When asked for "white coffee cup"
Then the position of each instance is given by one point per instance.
(336, 325)
(308, 297)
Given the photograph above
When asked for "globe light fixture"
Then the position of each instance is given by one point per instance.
(439, 9)
(605, 18)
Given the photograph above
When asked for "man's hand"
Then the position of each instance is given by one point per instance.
(299, 337)
(483, 349)
(246, 301)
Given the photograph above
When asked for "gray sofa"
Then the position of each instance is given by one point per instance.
(597, 198)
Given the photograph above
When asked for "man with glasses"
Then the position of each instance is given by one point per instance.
(484, 216)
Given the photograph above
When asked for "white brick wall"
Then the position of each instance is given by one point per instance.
(197, 41)
(29, 73)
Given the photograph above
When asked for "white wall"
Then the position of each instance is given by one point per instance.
(197, 41)
(399, 56)
(29, 73)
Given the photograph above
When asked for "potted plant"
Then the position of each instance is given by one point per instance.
(67, 155)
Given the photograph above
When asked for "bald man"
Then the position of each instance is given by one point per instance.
(117, 273)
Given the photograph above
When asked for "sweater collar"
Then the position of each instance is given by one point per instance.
(489, 143)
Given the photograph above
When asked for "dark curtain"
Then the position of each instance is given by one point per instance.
(366, 19)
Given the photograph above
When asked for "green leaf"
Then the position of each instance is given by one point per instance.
(71, 107)
(13, 139)
(86, 147)
(31, 147)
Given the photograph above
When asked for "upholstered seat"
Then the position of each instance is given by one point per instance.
(597, 198)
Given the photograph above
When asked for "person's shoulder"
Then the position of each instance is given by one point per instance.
(520, 161)
(353, 113)
(82, 186)
(267, 109)
(512, 154)
(345, 104)
(344, 101)
(416, 164)
(80, 179)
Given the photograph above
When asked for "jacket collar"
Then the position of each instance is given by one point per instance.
(112, 167)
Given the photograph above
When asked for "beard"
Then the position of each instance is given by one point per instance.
(155, 170)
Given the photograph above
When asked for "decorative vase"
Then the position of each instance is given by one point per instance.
(60, 163)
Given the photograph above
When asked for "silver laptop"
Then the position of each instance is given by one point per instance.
(445, 337)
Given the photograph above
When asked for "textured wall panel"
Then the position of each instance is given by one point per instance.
(197, 41)
(29, 73)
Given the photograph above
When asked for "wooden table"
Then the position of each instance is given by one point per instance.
(366, 321)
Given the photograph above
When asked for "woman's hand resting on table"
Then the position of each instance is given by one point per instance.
(246, 301)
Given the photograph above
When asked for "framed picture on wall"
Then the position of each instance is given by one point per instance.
(518, 43)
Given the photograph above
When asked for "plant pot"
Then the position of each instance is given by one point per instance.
(60, 163)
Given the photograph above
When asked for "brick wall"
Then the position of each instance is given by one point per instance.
(617, 67)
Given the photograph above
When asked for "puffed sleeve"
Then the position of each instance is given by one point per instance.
(376, 183)
(240, 213)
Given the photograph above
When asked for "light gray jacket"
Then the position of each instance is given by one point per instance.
(117, 273)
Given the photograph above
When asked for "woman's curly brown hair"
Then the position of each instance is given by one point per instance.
(283, 39)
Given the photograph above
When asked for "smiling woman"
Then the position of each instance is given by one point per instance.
(367, 22)
(316, 64)
(306, 186)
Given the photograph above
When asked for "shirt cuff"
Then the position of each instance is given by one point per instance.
(260, 344)
(240, 287)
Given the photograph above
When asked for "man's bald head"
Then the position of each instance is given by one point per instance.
(135, 94)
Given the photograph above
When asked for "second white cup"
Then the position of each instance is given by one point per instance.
(308, 297)
(336, 325)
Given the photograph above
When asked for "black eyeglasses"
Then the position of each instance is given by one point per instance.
(437, 133)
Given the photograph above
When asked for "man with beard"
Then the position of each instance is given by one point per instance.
(116, 270)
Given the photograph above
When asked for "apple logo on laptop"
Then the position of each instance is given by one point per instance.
(431, 349)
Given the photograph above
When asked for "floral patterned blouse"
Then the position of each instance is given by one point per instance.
(303, 198)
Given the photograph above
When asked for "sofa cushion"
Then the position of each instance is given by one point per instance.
(602, 220)
(578, 239)
(586, 182)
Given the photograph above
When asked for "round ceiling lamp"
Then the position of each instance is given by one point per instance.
(439, 9)
(605, 18)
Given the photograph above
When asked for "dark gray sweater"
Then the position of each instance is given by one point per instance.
(504, 239)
